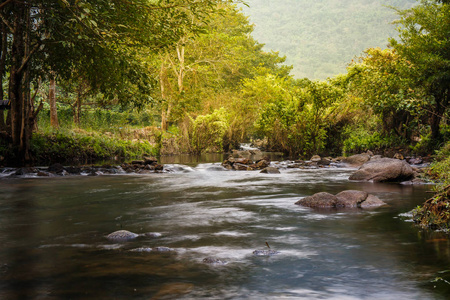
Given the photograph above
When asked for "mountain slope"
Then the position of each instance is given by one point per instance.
(321, 37)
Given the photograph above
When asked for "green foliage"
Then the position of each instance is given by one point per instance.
(206, 132)
(97, 118)
(82, 148)
(425, 44)
(377, 79)
(435, 212)
(361, 139)
(293, 115)
(440, 168)
(197, 73)
(217, 87)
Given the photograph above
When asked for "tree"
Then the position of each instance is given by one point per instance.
(197, 71)
(292, 114)
(424, 42)
(378, 80)
(64, 36)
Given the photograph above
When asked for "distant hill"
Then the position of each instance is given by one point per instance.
(320, 37)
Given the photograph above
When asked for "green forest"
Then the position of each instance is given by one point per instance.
(320, 38)
(97, 80)
(188, 77)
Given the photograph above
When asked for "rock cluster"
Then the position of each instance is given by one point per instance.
(345, 199)
(147, 165)
(245, 164)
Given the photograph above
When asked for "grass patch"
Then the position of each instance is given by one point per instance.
(80, 147)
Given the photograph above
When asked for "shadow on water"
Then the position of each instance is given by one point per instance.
(52, 233)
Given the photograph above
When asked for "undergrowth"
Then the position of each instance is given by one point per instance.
(435, 212)
(81, 148)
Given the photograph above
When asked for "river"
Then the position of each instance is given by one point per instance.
(53, 244)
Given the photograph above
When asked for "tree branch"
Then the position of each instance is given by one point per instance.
(5, 3)
(36, 91)
(6, 22)
(27, 59)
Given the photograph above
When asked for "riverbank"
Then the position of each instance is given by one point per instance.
(79, 152)
(435, 212)
(80, 147)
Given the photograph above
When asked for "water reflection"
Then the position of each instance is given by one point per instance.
(53, 232)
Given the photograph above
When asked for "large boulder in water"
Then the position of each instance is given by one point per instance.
(384, 170)
(319, 200)
(371, 201)
(350, 198)
(345, 199)
(356, 160)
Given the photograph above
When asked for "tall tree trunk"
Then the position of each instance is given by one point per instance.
(52, 101)
(28, 107)
(77, 106)
(16, 76)
(22, 110)
(181, 72)
(3, 49)
(165, 112)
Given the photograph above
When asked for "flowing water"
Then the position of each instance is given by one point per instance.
(53, 244)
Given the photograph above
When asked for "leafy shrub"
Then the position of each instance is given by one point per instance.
(361, 139)
(79, 148)
(206, 132)
(296, 125)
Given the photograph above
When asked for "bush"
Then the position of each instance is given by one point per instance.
(361, 139)
(206, 132)
(82, 148)
(435, 212)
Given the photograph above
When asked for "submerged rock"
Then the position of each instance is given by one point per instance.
(24, 171)
(56, 168)
(44, 174)
(162, 249)
(156, 249)
(125, 235)
(142, 249)
(151, 234)
(345, 199)
(122, 235)
(384, 170)
(270, 170)
(214, 261)
(265, 252)
(371, 201)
